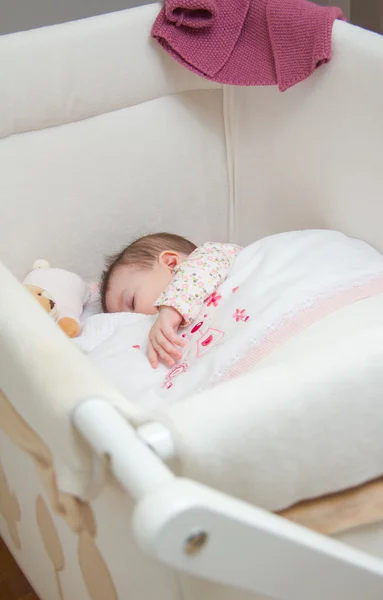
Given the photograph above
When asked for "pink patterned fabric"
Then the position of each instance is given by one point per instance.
(247, 42)
(94, 287)
(196, 280)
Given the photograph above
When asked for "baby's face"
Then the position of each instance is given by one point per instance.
(132, 289)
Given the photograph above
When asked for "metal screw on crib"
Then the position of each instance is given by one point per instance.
(195, 542)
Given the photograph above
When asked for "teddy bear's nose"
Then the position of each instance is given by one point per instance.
(52, 304)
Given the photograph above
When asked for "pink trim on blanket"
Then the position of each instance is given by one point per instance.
(293, 325)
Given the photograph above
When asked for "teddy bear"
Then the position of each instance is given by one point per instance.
(61, 293)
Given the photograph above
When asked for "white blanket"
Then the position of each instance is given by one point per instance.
(304, 423)
(277, 287)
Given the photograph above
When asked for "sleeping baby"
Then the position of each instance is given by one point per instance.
(166, 274)
(209, 314)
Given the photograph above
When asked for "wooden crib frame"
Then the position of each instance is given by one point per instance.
(195, 529)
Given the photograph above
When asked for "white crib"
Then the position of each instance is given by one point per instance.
(104, 137)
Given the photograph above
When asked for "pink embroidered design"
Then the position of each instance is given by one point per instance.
(208, 340)
(235, 289)
(297, 323)
(177, 370)
(187, 336)
(213, 299)
(240, 315)
(196, 327)
(137, 347)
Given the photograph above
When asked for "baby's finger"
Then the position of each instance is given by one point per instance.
(164, 356)
(168, 346)
(171, 335)
(152, 356)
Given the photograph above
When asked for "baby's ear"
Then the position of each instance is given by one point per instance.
(170, 259)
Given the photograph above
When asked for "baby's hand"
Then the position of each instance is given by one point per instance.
(163, 338)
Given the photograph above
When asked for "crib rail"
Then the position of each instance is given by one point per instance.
(198, 530)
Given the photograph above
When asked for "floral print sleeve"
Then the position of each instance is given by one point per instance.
(197, 278)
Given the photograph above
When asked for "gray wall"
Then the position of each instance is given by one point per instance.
(18, 15)
(343, 4)
(368, 14)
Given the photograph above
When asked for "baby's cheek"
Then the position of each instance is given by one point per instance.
(152, 310)
(145, 305)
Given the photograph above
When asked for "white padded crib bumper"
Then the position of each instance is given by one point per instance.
(103, 137)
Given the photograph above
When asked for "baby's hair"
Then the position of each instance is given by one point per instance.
(143, 253)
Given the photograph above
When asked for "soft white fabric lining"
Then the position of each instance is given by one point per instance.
(94, 185)
(312, 156)
(56, 75)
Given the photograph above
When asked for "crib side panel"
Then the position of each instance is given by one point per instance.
(312, 157)
(74, 193)
(99, 561)
(64, 73)
(104, 137)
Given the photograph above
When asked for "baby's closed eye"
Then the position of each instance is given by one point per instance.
(128, 302)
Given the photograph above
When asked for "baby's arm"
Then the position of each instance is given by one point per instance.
(193, 281)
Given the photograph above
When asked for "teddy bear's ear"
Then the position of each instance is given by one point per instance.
(40, 263)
